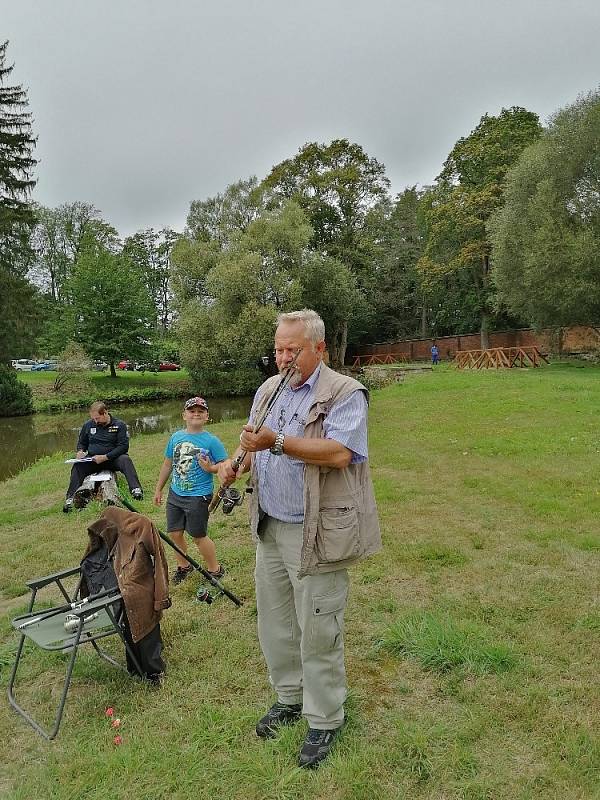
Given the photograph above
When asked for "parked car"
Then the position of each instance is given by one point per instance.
(23, 364)
(125, 364)
(168, 366)
(41, 366)
(100, 366)
(147, 367)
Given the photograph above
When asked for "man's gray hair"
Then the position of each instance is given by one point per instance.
(313, 324)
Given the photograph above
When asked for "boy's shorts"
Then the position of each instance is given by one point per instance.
(188, 514)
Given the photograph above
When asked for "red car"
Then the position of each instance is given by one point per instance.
(168, 366)
(126, 365)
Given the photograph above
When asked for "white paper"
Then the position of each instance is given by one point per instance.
(100, 476)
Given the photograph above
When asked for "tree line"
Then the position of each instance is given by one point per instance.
(506, 236)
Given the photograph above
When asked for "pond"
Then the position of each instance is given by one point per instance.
(24, 440)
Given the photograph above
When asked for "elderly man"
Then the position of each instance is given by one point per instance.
(105, 440)
(313, 514)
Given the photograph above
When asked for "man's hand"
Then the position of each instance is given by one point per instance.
(264, 439)
(99, 459)
(80, 454)
(157, 499)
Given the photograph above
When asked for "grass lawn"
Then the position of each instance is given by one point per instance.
(86, 387)
(472, 641)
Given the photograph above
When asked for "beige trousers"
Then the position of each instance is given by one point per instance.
(301, 626)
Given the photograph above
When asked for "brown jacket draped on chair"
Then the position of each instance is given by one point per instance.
(140, 565)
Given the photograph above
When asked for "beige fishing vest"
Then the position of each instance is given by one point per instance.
(340, 515)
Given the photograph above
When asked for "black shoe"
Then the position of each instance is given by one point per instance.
(316, 747)
(156, 679)
(278, 715)
(137, 494)
(68, 506)
(181, 574)
(219, 573)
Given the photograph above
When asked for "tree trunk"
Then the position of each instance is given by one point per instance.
(485, 315)
(558, 340)
(332, 347)
(113, 373)
(336, 345)
(423, 320)
(485, 335)
(343, 343)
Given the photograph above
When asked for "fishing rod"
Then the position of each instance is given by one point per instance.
(76, 605)
(205, 596)
(224, 492)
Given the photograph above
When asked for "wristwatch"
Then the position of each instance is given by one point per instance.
(277, 448)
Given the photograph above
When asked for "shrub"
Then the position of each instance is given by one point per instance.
(240, 381)
(15, 396)
(118, 395)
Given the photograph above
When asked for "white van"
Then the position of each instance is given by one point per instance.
(23, 364)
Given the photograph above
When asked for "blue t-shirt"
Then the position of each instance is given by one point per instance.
(188, 479)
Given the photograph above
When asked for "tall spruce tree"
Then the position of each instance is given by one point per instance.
(17, 218)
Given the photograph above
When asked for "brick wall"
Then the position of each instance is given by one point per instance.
(578, 339)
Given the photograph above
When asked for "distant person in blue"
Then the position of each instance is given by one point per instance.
(435, 354)
(191, 457)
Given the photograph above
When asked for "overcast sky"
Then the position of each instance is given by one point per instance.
(141, 106)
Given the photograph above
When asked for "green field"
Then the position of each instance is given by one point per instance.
(85, 387)
(472, 640)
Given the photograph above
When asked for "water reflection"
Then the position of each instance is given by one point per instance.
(24, 440)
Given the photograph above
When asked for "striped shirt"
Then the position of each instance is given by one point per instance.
(281, 478)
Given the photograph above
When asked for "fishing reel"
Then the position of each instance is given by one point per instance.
(204, 596)
(230, 498)
(71, 623)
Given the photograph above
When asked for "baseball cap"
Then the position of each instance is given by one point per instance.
(195, 401)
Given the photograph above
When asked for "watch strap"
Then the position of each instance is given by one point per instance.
(277, 448)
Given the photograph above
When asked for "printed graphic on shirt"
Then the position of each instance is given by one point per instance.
(184, 449)
(186, 463)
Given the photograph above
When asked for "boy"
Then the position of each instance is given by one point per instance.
(191, 457)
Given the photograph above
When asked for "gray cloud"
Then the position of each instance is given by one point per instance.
(141, 106)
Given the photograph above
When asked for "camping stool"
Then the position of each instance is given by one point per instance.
(64, 628)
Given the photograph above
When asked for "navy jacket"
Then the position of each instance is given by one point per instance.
(110, 440)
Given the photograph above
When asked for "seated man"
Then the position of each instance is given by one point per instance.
(105, 439)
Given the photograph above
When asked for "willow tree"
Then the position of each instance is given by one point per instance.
(546, 238)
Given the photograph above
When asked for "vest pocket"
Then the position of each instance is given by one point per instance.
(337, 535)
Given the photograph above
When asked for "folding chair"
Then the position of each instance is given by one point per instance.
(64, 628)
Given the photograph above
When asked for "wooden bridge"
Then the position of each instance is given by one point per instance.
(388, 358)
(500, 358)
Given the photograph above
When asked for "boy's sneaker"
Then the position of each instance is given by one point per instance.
(181, 574)
(219, 573)
(137, 494)
(68, 506)
(278, 715)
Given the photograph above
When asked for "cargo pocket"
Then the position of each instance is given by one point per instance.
(327, 621)
(337, 535)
